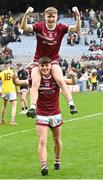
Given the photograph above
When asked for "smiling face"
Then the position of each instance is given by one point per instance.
(51, 20)
(45, 69)
(51, 16)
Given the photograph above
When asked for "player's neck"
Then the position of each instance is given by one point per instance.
(46, 76)
(52, 27)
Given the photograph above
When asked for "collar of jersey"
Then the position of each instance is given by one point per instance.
(46, 77)
(49, 28)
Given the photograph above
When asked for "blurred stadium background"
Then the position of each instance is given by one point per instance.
(82, 140)
(82, 51)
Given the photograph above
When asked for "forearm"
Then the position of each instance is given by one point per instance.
(78, 23)
(17, 81)
(77, 26)
(24, 22)
(24, 25)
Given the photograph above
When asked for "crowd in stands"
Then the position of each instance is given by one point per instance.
(5, 53)
(10, 32)
(73, 38)
(92, 73)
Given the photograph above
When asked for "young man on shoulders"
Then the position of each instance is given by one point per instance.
(49, 35)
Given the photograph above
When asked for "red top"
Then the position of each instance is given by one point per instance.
(48, 41)
(48, 101)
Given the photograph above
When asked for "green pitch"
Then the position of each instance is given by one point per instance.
(82, 136)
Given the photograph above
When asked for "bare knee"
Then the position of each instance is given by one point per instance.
(42, 142)
(23, 99)
(57, 141)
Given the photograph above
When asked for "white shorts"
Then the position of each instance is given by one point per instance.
(24, 90)
(51, 121)
(9, 96)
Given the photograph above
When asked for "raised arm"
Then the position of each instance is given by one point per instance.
(77, 26)
(24, 25)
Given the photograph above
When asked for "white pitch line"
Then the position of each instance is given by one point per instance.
(25, 130)
(84, 117)
(74, 119)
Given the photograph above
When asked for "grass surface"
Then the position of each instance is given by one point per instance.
(82, 136)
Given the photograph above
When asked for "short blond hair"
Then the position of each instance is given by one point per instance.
(51, 10)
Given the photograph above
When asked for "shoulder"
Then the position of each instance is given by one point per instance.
(38, 25)
(62, 27)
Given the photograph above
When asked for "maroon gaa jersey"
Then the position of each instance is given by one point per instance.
(48, 41)
(48, 100)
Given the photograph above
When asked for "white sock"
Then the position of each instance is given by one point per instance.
(70, 102)
(33, 106)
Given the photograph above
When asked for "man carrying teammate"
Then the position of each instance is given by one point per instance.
(49, 35)
(48, 114)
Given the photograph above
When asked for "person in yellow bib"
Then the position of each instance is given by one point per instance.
(93, 80)
(8, 92)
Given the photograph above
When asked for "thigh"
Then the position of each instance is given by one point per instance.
(24, 93)
(13, 103)
(4, 102)
(35, 75)
(56, 132)
(57, 72)
(42, 131)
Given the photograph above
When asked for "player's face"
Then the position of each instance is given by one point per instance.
(45, 69)
(51, 19)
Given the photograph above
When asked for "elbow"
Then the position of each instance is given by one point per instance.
(22, 27)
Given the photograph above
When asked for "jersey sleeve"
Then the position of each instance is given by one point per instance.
(64, 28)
(36, 26)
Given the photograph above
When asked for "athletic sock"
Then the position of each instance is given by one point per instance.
(70, 103)
(57, 161)
(43, 163)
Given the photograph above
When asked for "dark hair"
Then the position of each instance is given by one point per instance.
(44, 60)
(19, 64)
(8, 62)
